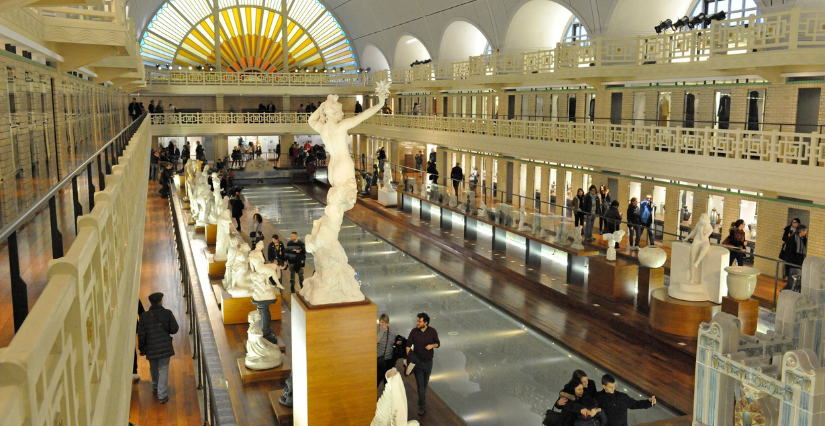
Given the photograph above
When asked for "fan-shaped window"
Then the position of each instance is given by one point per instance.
(575, 31)
(735, 8)
(251, 32)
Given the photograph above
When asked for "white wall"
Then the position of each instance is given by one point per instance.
(373, 58)
(408, 50)
(460, 41)
(638, 17)
(538, 25)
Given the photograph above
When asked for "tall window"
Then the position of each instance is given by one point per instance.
(575, 31)
(734, 8)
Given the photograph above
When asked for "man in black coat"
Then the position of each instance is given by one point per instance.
(456, 176)
(615, 404)
(295, 255)
(155, 330)
(275, 250)
(237, 209)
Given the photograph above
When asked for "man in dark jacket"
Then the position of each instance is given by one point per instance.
(237, 209)
(591, 207)
(275, 250)
(795, 249)
(155, 330)
(456, 176)
(296, 255)
(634, 224)
(615, 404)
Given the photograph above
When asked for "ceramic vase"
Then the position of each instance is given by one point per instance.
(741, 281)
(652, 257)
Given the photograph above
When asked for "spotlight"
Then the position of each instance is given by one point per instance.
(341, 69)
(158, 66)
(719, 16)
(180, 67)
(333, 70)
(681, 23)
(663, 26)
(306, 69)
(190, 67)
(168, 66)
(314, 69)
(369, 69)
(697, 20)
(325, 70)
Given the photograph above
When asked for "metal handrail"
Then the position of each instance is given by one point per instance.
(21, 220)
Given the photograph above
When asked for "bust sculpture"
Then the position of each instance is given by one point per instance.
(391, 409)
(334, 279)
(260, 353)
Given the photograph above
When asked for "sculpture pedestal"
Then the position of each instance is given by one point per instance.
(711, 284)
(679, 317)
(266, 319)
(217, 268)
(280, 372)
(746, 310)
(282, 412)
(388, 198)
(612, 279)
(236, 310)
(211, 234)
(343, 334)
(649, 280)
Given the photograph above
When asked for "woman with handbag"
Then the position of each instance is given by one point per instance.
(736, 238)
(385, 342)
(256, 234)
(568, 405)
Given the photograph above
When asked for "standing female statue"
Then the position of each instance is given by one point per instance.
(334, 279)
(701, 244)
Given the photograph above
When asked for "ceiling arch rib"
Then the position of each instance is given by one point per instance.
(251, 33)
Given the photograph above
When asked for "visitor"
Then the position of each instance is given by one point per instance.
(736, 239)
(615, 404)
(432, 155)
(381, 156)
(456, 176)
(261, 107)
(159, 108)
(140, 310)
(419, 162)
(277, 153)
(591, 207)
(275, 250)
(165, 179)
(613, 219)
(184, 154)
(151, 107)
(588, 386)
(569, 402)
(155, 330)
(634, 224)
(358, 108)
(604, 194)
(154, 158)
(594, 415)
(646, 213)
(237, 209)
(199, 152)
(433, 172)
(578, 203)
(134, 109)
(789, 231)
(473, 179)
(423, 339)
(795, 249)
(172, 108)
(296, 256)
(417, 109)
(271, 108)
(385, 341)
(256, 234)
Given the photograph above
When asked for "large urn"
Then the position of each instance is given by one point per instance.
(741, 281)
(653, 257)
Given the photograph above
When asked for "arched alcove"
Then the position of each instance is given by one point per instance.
(537, 25)
(408, 50)
(373, 58)
(460, 41)
(627, 21)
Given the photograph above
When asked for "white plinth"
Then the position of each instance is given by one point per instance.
(711, 284)
(388, 198)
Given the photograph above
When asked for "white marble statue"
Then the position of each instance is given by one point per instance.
(261, 288)
(191, 170)
(261, 354)
(577, 238)
(392, 406)
(334, 279)
(241, 281)
(202, 195)
(387, 179)
(522, 218)
(697, 270)
(612, 239)
(220, 203)
(224, 235)
(231, 255)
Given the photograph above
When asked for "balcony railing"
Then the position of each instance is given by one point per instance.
(185, 77)
(799, 149)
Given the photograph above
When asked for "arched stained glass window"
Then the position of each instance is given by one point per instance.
(182, 33)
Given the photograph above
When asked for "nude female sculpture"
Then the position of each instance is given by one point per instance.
(334, 279)
(701, 244)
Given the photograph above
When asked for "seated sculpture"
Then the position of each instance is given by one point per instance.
(391, 409)
(241, 280)
(260, 353)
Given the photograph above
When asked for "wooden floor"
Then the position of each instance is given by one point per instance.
(159, 272)
(624, 344)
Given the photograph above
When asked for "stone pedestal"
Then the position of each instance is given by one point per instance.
(211, 234)
(612, 279)
(282, 412)
(649, 280)
(266, 319)
(710, 282)
(388, 198)
(678, 317)
(235, 310)
(746, 310)
(344, 392)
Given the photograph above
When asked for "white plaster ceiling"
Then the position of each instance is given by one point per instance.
(383, 22)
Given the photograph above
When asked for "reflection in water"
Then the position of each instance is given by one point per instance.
(491, 370)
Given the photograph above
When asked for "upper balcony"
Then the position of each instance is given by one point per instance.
(295, 83)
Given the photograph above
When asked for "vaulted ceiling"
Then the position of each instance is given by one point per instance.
(383, 22)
